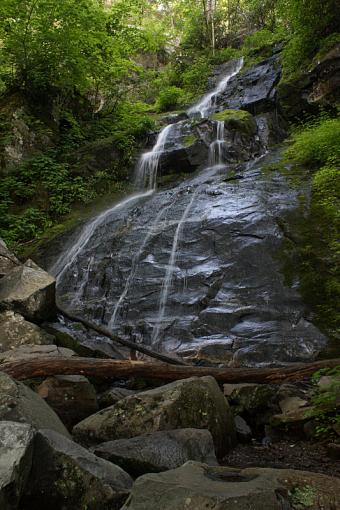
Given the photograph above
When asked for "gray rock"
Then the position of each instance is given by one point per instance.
(16, 331)
(32, 351)
(20, 404)
(159, 451)
(243, 430)
(66, 476)
(113, 395)
(29, 290)
(8, 260)
(72, 397)
(190, 403)
(196, 486)
(249, 398)
(16, 450)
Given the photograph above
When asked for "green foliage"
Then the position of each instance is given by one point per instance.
(303, 497)
(309, 23)
(170, 98)
(326, 400)
(316, 146)
(34, 197)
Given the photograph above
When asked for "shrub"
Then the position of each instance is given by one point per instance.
(170, 98)
(326, 400)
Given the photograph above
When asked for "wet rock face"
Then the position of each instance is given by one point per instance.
(199, 265)
(159, 451)
(191, 403)
(254, 90)
(196, 486)
(16, 451)
(65, 475)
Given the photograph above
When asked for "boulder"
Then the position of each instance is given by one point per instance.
(190, 403)
(159, 451)
(72, 397)
(29, 290)
(295, 415)
(16, 450)
(196, 486)
(8, 261)
(20, 404)
(243, 430)
(66, 476)
(16, 331)
(113, 395)
(249, 398)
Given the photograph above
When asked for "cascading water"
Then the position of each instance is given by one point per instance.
(216, 149)
(170, 271)
(207, 103)
(145, 180)
(146, 171)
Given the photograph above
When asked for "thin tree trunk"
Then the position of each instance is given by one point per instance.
(106, 368)
(127, 343)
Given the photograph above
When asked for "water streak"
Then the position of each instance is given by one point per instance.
(170, 271)
(134, 265)
(217, 147)
(147, 168)
(208, 102)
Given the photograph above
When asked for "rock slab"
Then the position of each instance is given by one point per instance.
(16, 331)
(196, 486)
(190, 403)
(159, 451)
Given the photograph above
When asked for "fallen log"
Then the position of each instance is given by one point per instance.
(107, 368)
(127, 343)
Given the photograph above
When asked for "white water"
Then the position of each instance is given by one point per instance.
(169, 272)
(145, 180)
(216, 149)
(134, 264)
(207, 103)
(65, 261)
(146, 171)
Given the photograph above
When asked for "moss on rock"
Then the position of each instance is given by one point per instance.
(237, 120)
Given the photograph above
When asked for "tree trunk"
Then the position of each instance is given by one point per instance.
(106, 368)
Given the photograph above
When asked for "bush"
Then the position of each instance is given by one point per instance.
(224, 55)
(170, 98)
(316, 147)
(326, 401)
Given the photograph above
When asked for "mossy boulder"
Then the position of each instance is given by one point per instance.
(65, 475)
(237, 120)
(191, 403)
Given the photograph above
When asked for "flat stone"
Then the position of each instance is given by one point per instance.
(196, 486)
(16, 450)
(29, 290)
(34, 351)
(159, 451)
(243, 430)
(16, 331)
(66, 476)
(189, 403)
(20, 404)
(291, 404)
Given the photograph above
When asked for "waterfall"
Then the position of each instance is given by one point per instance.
(170, 271)
(134, 265)
(207, 103)
(145, 180)
(146, 171)
(216, 149)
